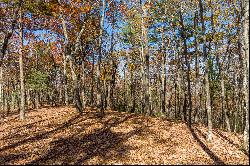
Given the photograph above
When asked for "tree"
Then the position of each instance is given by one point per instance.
(246, 68)
(22, 88)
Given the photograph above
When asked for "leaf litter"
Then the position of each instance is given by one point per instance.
(59, 135)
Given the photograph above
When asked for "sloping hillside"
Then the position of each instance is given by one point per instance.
(62, 136)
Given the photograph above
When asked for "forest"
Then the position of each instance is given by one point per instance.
(124, 82)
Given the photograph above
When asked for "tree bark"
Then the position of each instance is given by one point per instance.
(66, 97)
(246, 69)
(22, 88)
(37, 99)
(70, 54)
(207, 86)
(189, 93)
(99, 83)
(83, 86)
(1, 88)
(163, 73)
(197, 71)
(223, 102)
(146, 60)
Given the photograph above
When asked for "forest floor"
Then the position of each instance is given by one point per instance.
(62, 136)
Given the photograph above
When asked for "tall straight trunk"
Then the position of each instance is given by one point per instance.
(163, 73)
(197, 89)
(37, 105)
(224, 109)
(92, 80)
(28, 98)
(183, 91)
(99, 83)
(7, 97)
(175, 100)
(197, 67)
(179, 83)
(60, 95)
(15, 97)
(13, 102)
(146, 62)
(112, 84)
(1, 88)
(66, 97)
(142, 76)
(22, 88)
(76, 93)
(208, 102)
(240, 114)
(125, 89)
(109, 95)
(113, 72)
(6, 103)
(236, 110)
(158, 89)
(189, 93)
(104, 90)
(131, 95)
(127, 83)
(83, 86)
(207, 86)
(223, 104)
(65, 58)
(246, 69)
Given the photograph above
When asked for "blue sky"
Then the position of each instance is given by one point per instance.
(107, 26)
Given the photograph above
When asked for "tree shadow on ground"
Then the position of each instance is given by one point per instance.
(102, 143)
(212, 155)
(232, 142)
(201, 133)
(77, 147)
(42, 135)
(219, 134)
(20, 128)
(98, 146)
(6, 159)
(14, 114)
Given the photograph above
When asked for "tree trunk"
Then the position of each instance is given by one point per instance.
(207, 86)
(189, 93)
(224, 109)
(208, 104)
(83, 86)
(92, 81)
(114, 68)
(197, 78)
(246, 69)
(76, 89)
(36, 99)
(66, 97)
(7, 96)
(1, 88)
(146, 62)
(70, 54)
(22, 89)
(99, 83)
(28, 98)
(163, 74)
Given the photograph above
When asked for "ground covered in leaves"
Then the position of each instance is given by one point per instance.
(62, 136)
